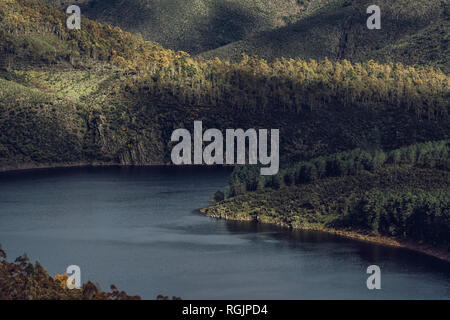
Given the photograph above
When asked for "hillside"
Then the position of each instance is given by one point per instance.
(114, 98)
(412, 32)
(194, 25)
(105, 116)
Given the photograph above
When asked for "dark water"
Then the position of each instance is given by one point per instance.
(140, 229)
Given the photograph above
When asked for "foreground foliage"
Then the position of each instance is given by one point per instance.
(22, 280)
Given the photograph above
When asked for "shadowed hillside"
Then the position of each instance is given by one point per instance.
(413, 32)
(195, 25)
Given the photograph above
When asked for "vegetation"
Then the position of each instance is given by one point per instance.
(22, 280)
(418, 215)
(412, 32)
(434, 155)
(295, 85)
(32, 32)
(28, 125)
(364, 144)
(401, 194)
(197, 25)
(218, 196)
(402, 203)
(115, 98)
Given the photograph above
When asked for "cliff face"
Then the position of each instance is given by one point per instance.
(131, 147)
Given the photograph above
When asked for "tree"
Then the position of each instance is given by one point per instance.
(2, 254)
(218, 196)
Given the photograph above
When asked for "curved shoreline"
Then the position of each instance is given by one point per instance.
(386, 241)
(440, 254)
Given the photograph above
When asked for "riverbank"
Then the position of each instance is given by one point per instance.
(439, 253)
(407, 206)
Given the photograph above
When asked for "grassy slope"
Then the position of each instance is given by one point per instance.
(413, 32)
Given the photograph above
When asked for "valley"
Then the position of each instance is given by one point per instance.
(363, 120)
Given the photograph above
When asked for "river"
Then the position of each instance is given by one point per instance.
(140, 229)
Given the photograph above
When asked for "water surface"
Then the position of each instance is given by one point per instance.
(140, 229)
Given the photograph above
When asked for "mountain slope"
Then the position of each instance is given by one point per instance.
(115, 98)
(194, 25)
(413, 32)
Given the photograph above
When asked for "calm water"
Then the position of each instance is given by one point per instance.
(140, 229)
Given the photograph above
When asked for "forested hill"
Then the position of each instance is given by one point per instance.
(112, 97)
(412, 32)
(399, 198)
